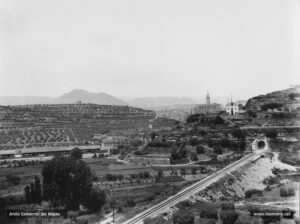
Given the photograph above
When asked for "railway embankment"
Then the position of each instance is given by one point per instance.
(234, 185)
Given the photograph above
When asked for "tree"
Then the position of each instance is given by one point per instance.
(14, 180)
(238, 134)
(76, 153)
(73, 215)
(155, 220)
(183, 217)
(228, 215)
(37, 190)
(271, 106)
(160, 174)
(242, 145)
(251, 113)
(283, 192)
(208, 212)
(174, 154)
(194, 171)
(225, 143)
(32, 195)
(271, 134)
(67, 181)
(218, 150)
(219, 120)
(153, 135)
(96, 200)
(182, 172)
(3, 204)
(137, 152)
(27, 194)
(193, 141)
(293, 96)
(193, 118)
(194, 156)
(200, 149)
(227, 206)
(291, 192)
(213, 156)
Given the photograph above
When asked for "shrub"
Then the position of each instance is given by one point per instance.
(225, 143)
(184, 204)
(194, 141)
(219, 120)
(283, 192)
(218, 150)
(200, 149)
(138, 153)
(183, 217)
(209, 213)
(227, 206)
(130, 202)
(228, 216)
(194, 156)
(287, 192)
(291, 192)
(249, 193)
(155, 220)
(270, 181)
(271, 134)
(76, 153)
(14, 180)
(96, 200)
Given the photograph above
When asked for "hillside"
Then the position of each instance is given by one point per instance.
(282, 97)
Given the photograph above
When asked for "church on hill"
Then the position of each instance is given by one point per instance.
(207, 108)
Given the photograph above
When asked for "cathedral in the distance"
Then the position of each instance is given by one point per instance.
(207, 98)
(208, 107)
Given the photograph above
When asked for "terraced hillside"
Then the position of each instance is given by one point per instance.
(64, 124)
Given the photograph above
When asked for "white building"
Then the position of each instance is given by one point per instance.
(232, 108)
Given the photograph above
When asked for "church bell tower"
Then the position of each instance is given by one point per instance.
(207, 98)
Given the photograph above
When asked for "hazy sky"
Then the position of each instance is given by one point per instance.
(148, 48)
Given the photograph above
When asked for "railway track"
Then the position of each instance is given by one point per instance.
(138, 219)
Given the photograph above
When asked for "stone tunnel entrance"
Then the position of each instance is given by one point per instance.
(260, 144)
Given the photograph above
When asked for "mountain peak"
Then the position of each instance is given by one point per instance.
(87, 97)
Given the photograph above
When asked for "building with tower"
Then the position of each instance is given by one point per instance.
(207, 98)
(208, 108)
(232, 108)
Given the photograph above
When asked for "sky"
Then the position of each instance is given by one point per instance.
(142, 48)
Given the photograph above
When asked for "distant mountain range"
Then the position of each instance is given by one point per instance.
(87, 97)
(71, 97)
(158, 103)
(153, 103)
(22, 100)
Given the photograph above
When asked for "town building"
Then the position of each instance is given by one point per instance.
(207, 108)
